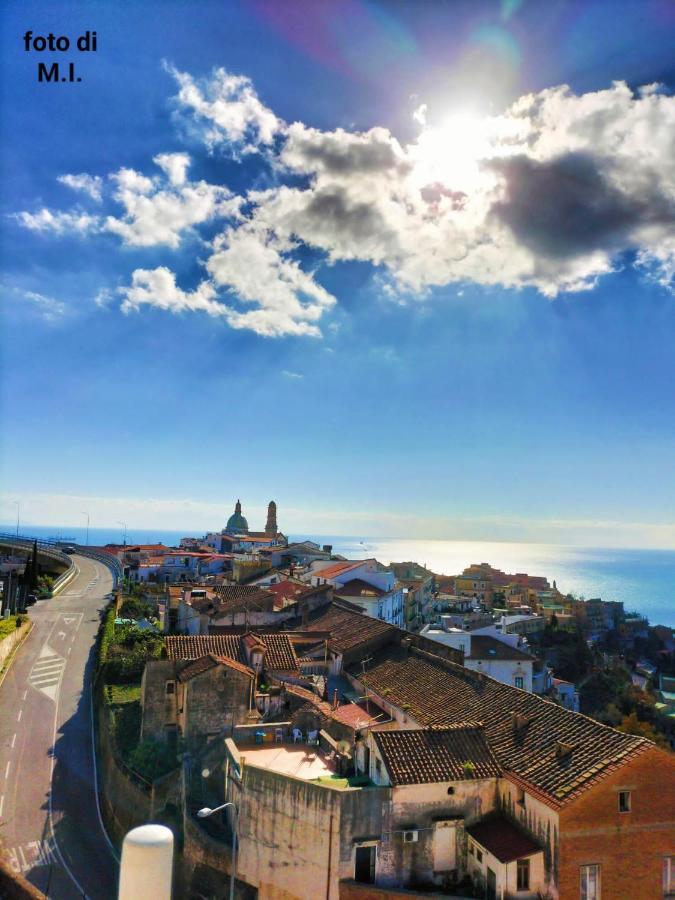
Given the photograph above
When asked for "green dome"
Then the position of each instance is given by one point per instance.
(237, 522)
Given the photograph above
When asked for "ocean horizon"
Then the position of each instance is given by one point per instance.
(644, 580)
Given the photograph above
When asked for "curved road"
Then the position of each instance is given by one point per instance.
(49, 824)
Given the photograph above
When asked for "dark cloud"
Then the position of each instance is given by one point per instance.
(566, 207)
(432, 193)
(341, 153)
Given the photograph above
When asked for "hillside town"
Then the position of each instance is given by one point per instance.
(356, 725)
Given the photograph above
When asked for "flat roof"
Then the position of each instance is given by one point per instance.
(299, 760)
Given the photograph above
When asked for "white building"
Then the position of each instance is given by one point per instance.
(494, 654)
(362, 582)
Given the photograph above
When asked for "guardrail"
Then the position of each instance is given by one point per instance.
(51, 548)
(112, 562)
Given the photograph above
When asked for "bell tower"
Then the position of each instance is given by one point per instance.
(271, 529)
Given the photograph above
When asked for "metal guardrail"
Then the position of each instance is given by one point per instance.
(52, 548)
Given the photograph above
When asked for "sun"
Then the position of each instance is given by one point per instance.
(451, 152)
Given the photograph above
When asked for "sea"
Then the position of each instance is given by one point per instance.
(644, 580)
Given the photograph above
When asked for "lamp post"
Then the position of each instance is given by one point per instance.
(124, 524)
(86, 543)
(204, 813)
(18, 510)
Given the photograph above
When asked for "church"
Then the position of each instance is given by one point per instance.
(237, 524)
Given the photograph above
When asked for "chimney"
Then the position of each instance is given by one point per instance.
(335, 699)
(405, 646)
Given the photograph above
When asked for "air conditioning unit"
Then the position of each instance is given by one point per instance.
(410, 837)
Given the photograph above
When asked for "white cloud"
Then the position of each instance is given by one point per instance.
(49, 309)
(255, 266)
(157, 212)
(420, 114)
(157, 287)
(293, 375)
(89, 184)
(550, 194)
(227, 108)
(46, 221)
(175, 165)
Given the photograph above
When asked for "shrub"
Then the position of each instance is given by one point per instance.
(152, 759)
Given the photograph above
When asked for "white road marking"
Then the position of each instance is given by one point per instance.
(69, 649)
(46, 673)
(18, 718)
(25, 694)
(9, 763)
(2, 803)
(30, 855)
(13, 740)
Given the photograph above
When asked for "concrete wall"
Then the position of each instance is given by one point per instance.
(629, 847)
(159, 708)
(8, 644)
(296, 838)
(427, 808)
(124, 804)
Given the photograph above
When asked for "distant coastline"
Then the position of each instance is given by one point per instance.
(644, 580)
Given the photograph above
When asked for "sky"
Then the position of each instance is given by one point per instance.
(405, 268)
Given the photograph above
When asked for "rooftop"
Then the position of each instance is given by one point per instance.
(349, 626)
(483, 646)
(524, 731)
(419, 756)
(298, 760)
(503, 839)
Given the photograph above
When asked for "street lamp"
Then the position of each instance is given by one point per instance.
(203, 814)
(125, 531)
(87, 540)
(18, 509)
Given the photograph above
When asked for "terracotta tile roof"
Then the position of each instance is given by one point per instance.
(197, 646)
(530, 737)
(357, 587)
(349, 628)
(339, 568)
(308, 696)
(503, 839)
(279, 653)
(423, 757)
(197, 666)
(483, 646)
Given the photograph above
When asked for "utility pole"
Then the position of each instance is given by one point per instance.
(86, 543)
(18, 509)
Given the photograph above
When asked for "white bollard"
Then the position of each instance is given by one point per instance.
(147, 864)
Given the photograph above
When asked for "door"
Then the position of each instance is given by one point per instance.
(364, 865)
(491, 885)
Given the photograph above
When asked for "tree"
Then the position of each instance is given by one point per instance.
(632, 725)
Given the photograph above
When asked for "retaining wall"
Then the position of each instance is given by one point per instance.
(8, 644)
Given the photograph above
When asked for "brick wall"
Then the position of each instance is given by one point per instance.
(629, 847)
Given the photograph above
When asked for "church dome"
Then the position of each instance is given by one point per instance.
(237, 523)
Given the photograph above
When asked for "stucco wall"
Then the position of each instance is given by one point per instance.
(540, 821)
(296, 838)
(12, 640)
(423, 807)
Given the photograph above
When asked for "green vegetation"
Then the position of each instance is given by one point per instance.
(124, 651)
(44, 585)
(122, 654)
(135, 608)
(152, 758)
(9, 626)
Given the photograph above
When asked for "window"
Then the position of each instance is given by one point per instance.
(378, 770)
(451, 791)
(589, 882)
(669, 876)
(479, 855)
(470, 849)
(624, 801)
(523, 875)
(170, 688)
(521, 797)
(520, 681)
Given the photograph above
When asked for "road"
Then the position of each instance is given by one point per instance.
(49, 823)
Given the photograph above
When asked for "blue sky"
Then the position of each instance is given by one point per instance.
(354, 270)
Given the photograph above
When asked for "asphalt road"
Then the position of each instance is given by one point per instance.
(50, 829)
